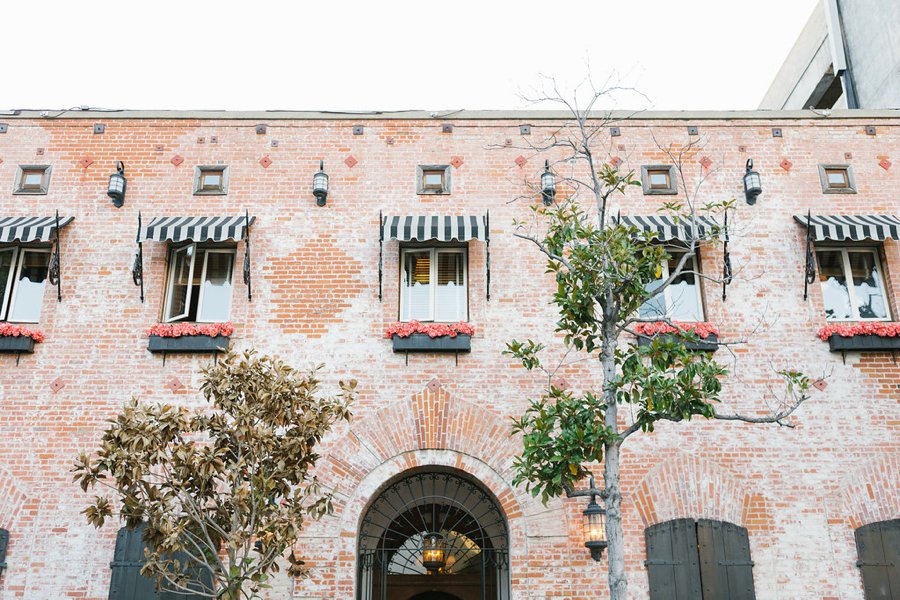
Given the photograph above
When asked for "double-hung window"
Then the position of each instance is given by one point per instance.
(199, 284)
(680, 300)
(433, 285)
(23, 275)
(852, 284)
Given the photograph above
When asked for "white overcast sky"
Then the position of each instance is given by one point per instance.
(385, 55)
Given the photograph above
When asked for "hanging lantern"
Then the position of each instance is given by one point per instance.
(320, 185)
(595, 526)
(434, 551)
(117, 183)
(752, 183)
(548, 184)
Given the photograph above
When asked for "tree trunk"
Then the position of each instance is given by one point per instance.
(618, 584)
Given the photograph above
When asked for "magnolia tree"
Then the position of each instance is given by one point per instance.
(605, 272)
(220, 493)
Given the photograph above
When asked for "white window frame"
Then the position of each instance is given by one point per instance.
(5, 302)
(206, 253)
(432, 278)
(692, 266)
(171, 284)
(848, 276)
(18, 270)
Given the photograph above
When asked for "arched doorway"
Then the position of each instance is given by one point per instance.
(433, 535)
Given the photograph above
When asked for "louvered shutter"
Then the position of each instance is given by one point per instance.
(725, 565)
(127, 582)
(4, 543)
(878, 548)
(672, 564)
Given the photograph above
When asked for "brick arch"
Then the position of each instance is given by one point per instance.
(12, 499)
(871, 492)
(690, 487)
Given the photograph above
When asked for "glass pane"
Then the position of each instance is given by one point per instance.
(450, 294)
(659, 179)
(29, 292)
(32, 179)
(212, 181)
(416, 286)
(217, 287)
(834, 285)
(655, 307)
(434, 179)
(683, 292)
(181, 283)
(867, 286)
(6, 265)
(836, 178)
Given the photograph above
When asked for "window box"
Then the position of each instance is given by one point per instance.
(863, 343)
(16, 345)
(422, 342)
(189, 343)
(708, 344)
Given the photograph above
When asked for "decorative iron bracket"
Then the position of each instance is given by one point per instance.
(247, 255)
(591, 491)
(380, 253)
(726, 262)
(137, 270)
(487, 251)
(810, 271)
(53, 271)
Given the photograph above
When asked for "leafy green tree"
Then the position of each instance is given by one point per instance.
(229, 486)
(604, 273)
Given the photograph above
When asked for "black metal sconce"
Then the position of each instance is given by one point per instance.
(595, 527)
(752, 183)
(548, 184)
(320, 185)
(117, 183)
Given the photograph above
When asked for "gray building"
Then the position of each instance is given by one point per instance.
(847, 56)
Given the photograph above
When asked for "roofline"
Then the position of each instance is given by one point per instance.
(449, 115)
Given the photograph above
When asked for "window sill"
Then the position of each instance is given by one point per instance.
(30, 192)
(199, 344)
(839, 191)
(666, 192)
(422, 342)
(863, 343)
(210, 193)
(432, 193)
(708, 344)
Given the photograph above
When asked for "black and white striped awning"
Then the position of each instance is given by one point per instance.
(29, 229)
(440, 228)
(195, 229)
(857, 228)
(666, 228)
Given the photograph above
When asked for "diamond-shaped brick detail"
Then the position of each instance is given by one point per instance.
(820, 385)
(86, 162)
(265, 161)
(786, 164)
(40, 151)
(705, 162)
(615, 161)
(884, 164)
(520, 160)
(456, 161)
(176, 160)
(1, 161)
(434, 385)
(350, 162)
(174, 385)
(57, 384)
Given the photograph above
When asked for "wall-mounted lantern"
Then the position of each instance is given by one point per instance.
(752, 183)
(117, 183)
(548, 184)
(320, 185)
(595, 527)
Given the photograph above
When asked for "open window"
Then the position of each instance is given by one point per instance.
(852, 283)
(200, 284)
(433, 284)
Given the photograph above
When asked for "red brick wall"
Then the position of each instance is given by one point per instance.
(800, 491)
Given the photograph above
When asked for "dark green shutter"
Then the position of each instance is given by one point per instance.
(725, 565)
(4, 542)
(672, 564)
(127, 582)
(878, 548)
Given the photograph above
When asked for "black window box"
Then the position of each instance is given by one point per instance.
(708, 344)
(16, 344)
(863, 343)
(422, 342)
(189, 343)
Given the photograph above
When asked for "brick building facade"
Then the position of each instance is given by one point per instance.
(800, 493)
